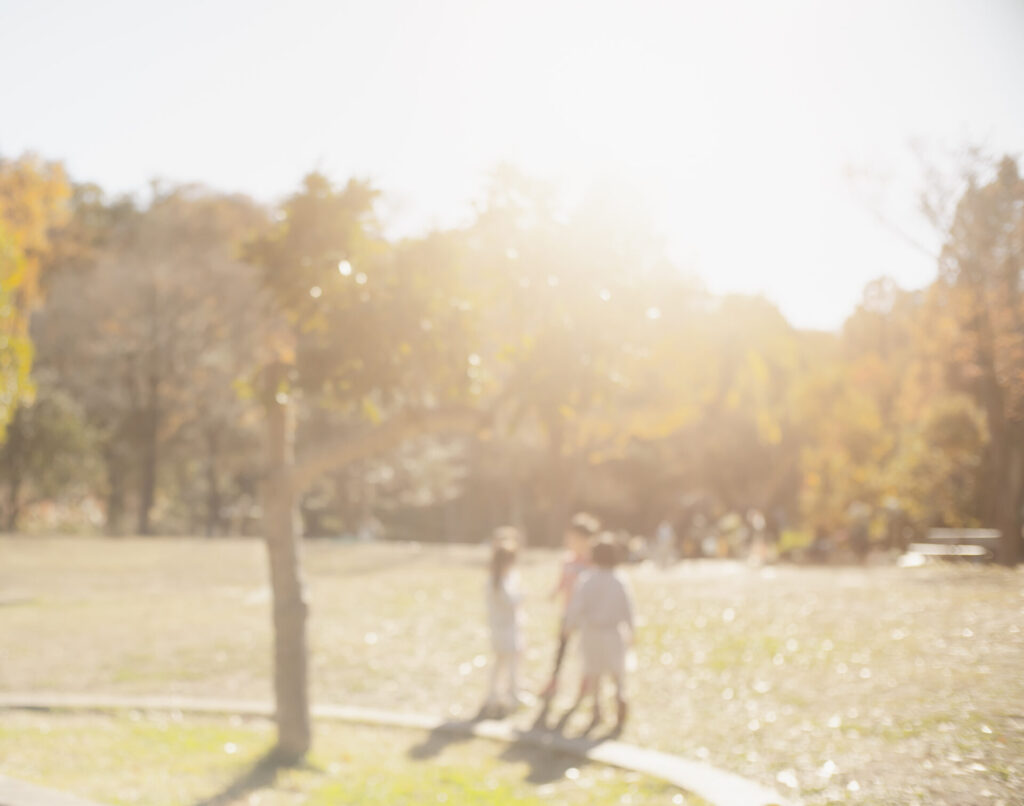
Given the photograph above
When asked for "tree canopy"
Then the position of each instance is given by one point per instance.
(612, 379)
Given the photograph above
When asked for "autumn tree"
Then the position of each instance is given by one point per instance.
(33, 195)
(148, 326)
(980, 276)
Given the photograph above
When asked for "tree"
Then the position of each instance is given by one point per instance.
(150, 325)
(48, 452)
(32, 205)
(934, 474)
(579, 302)
(844, 448)
(379, 332)
(981, 271)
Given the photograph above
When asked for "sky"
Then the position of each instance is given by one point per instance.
(736, 126)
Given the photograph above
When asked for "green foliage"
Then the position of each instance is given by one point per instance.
(935, 471)
(49, 452)
(367, 323)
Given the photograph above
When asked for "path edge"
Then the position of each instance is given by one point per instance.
(714, 785)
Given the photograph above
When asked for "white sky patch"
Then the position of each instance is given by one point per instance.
(736, 121)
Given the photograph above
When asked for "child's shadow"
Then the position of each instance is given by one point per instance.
(588, 737)
(444, 735)
(550, 754)
(550, 760)
(545, 766)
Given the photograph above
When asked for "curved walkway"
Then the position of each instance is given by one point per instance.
(714, 785)
(18, 793)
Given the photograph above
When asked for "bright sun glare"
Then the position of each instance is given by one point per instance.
(470, 313)
(734, 123)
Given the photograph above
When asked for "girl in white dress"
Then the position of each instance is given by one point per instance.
(504, 615)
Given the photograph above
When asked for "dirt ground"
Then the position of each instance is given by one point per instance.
(853, 685)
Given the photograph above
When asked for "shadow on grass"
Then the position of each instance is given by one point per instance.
(544, 750)
(260, 775)
(545, 766)
(550, 754)
(446, 735)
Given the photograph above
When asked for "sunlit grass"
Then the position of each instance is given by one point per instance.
(171, 760)
(904, 680)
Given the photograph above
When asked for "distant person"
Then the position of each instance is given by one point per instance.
(578, 534)
(601, 609)
(860, 542)
(820, 550)
(636, 549)
(369, 529)
(504, 616)
(665, 544)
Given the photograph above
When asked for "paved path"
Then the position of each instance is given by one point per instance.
(18, 793)
(714, 785)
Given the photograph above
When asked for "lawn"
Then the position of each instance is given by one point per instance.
(858, 685)
(174, 760)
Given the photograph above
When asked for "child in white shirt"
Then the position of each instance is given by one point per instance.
(601, 608)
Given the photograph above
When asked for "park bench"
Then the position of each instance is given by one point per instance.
(975, 545)
(950, 552)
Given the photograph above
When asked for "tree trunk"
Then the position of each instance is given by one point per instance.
(1010, 484)
(291, 684)
(115, 494)
(213, 498)
(563, 489)
(553, 492)
(1005, 472)
(14, 504)
(283, 483)
(14, 448)
(150, 458)
(515, 505)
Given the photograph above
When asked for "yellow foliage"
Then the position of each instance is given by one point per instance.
(33, 197)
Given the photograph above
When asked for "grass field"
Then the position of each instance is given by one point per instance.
(171, 760)
(859, 685)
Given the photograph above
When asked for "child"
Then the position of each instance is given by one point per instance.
(602, 610)
(578, 535)
(505, 619)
